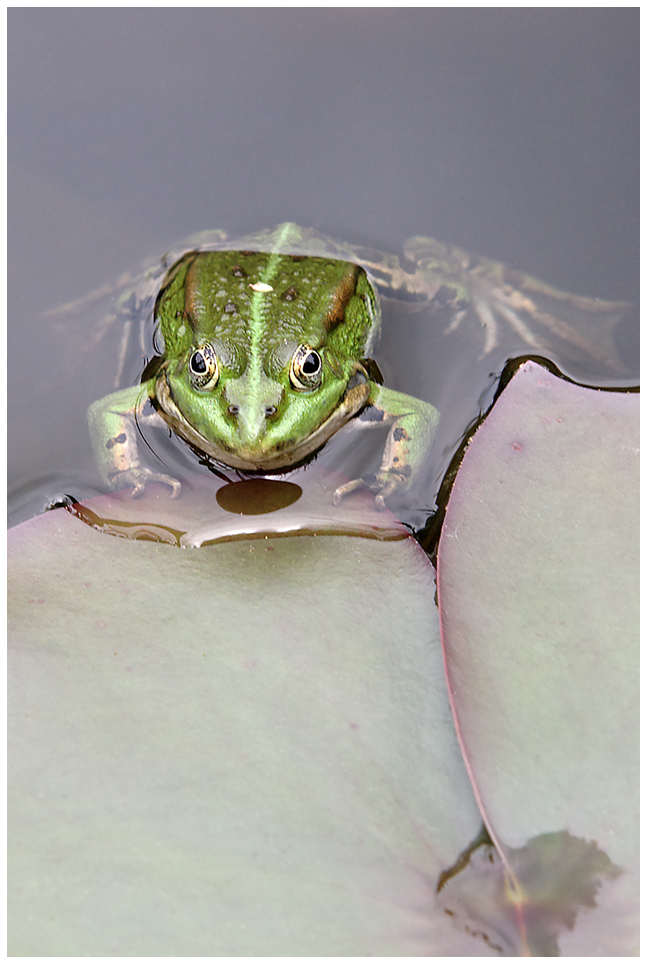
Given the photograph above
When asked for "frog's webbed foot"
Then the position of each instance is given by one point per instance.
(506, 304)
(139, 477)
(549, 321)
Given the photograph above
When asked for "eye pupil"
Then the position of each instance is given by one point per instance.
(198, 364)
(311, 364)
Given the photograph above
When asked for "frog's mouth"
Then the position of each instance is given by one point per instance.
(292, 453)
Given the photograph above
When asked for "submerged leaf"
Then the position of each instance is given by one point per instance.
(559, 876)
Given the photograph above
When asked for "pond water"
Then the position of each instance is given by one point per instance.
(511, 133)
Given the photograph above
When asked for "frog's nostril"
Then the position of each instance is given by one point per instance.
(233, 409)
(270, 410)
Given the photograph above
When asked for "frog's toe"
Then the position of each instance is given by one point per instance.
(387, 483)
(160, 477)
(139, 478)
(137, 490)
(373, 483)
(345, 489)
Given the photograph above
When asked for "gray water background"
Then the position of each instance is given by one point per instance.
(511, 132)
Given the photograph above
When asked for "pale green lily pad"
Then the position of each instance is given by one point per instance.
(538, 589)
(240, 749)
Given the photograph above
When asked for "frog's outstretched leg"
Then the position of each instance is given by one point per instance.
(491, 297)
(113, 430)
(413, 425)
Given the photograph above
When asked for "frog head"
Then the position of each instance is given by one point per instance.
(264, 354)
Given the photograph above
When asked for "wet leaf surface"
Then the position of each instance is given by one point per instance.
(240, 749)
(211, 510)
(538, 591)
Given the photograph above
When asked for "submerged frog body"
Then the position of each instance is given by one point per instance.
(265, 349)
(266, 355)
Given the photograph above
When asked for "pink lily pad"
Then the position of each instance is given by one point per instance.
(538, 593)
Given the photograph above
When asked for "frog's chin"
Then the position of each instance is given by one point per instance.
(257, 458)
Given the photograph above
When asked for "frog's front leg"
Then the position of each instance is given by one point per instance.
(411, 434)
(113, 430)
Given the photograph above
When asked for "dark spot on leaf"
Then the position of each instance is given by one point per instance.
(252, 497)
(400, 433)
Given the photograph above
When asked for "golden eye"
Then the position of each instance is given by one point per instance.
(306, 369)
(203, 368)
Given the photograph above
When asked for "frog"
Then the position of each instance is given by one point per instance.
(265, 356)
(265, 349)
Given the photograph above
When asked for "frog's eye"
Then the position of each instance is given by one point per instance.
(203, 368)
(306, 369)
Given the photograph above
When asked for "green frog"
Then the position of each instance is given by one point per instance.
(265, 350)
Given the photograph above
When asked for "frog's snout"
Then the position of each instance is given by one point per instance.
(250, 420)
(270, 410)
(250, 408)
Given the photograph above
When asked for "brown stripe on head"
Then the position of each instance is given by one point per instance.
(343, 294)
(179, 268)
(170, 307)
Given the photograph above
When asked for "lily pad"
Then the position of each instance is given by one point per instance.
(238, 749)
(538, 592)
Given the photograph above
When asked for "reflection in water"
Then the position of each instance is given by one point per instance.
(256, 496)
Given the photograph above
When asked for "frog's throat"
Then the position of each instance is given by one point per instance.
(354, 399)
